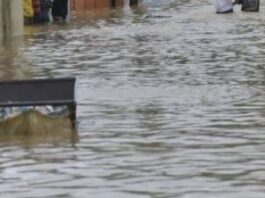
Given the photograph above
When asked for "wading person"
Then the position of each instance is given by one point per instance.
(223, 6)
(41, 11)
(45, 6)
(28, 12)
(36, 8)
(249, 5)
(59, 10)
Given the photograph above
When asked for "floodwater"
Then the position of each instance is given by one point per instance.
(170, 104)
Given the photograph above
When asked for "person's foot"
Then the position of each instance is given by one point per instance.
(225, 12)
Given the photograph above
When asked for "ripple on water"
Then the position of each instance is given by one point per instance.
(171, 104)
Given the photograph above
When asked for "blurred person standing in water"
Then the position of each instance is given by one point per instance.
(59, 10)
(36, 9)
(28, 12)
(45, 6)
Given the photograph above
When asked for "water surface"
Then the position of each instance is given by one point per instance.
(171, 104)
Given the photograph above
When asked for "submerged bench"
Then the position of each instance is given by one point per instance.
(250, 5)
(39, 92)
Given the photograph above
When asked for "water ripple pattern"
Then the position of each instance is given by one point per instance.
(171, 104)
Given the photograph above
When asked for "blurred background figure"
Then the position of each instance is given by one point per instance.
(45, 7)
(59, 10)
(249, 5)
(28, 12)
(36, 9)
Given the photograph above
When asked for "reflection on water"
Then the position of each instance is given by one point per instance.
(171, 104)
(32, 127)
(11, 59)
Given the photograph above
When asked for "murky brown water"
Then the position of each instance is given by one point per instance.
(171, 104)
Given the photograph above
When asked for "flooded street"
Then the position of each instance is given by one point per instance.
(170, 104)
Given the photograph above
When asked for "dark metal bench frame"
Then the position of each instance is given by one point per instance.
(39, 92)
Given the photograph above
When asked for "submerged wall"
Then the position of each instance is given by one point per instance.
(11, 18)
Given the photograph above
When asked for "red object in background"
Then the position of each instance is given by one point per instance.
(36, 6)
(86, 5)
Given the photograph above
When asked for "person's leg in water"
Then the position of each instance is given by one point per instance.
(28, 12)
(45, 9)
(59, 10)
(223, 6)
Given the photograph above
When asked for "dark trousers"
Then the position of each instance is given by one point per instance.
(59, 9)
(133, 2)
